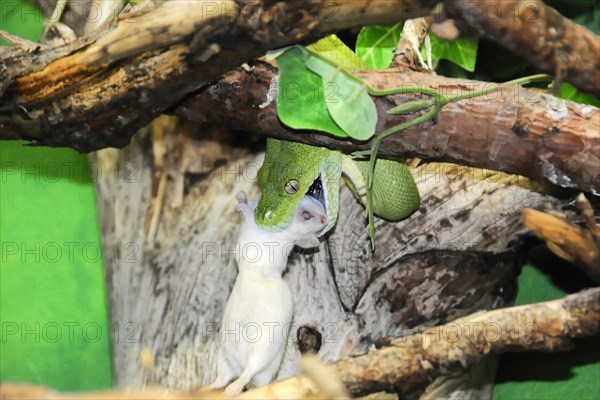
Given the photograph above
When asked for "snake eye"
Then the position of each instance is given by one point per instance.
(292, 186)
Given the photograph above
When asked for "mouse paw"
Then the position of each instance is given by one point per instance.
(243, 206)
(234, 389)
(241, 197)
(217, 384)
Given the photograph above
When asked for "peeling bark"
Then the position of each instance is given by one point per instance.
(516, 130)
(540, 34)
(578, 245)
(99, 95)
(407, 361)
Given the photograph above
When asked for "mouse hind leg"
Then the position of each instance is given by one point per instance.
(224, 373)
(218, 383)
(236, 386)
(260, 369)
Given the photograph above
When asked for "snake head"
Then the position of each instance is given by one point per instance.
(285, 177)
(283, 187)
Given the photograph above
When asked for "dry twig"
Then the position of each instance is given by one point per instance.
(551, 42)
(581, 246)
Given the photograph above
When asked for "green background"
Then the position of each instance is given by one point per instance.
(53, 314)
(47, 207)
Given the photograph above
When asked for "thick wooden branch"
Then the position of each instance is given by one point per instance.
(539, 33)
(517, 130)
(12, 391)
(408, 362)
(98, 91)
(99, 95)
(578, 245)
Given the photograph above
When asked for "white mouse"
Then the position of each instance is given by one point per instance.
(260, 308)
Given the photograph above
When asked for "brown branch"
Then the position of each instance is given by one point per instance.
(98, 91)
(99, 95)
(581, 246)
(12, 391)
(539, 33)
(409, 362)
(517, 130)
(413, 35)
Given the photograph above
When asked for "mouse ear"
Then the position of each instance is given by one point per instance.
(317, 217)
(307, 242)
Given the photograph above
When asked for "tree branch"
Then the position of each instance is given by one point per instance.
(539, 33)
(406, 363)
(517, 130)
(98, 91)
(99, 95)
(410, 361)
(580, 246)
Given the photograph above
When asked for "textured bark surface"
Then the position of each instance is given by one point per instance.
(98, 91)
(545, 326)
(540, 34)
(169, 223)
(405, 362)
(516, 130)
(99, 95)
(566, 239)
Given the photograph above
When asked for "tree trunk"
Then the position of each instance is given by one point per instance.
(167, 204)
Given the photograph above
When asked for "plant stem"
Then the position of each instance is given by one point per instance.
(441, 101)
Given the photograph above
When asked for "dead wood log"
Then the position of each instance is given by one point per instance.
(578, 245)
(540, 34)
(517, 130)
(168, 221)
(543, 327)
(99, 95)
(406, 362)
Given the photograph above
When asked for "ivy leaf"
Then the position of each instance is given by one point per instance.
(316, 93)
(590, 19)
(462, 51)
(376, 44)
(336, 51)
(348, 100)
(570, 92)
(300, 98)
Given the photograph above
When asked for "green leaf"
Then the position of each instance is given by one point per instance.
(376, 44)
(334, 50)
(348, 102)
(462, 51)
(590, 19)
(316, 93)
(301, 98)
(570, 92)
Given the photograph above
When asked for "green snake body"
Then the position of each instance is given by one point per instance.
(291, 168)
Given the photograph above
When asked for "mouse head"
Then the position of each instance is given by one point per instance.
(310, 218)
